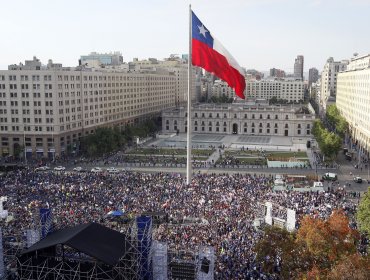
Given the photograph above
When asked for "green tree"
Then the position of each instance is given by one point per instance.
(334, 117)
(363, 213)
(329, 143)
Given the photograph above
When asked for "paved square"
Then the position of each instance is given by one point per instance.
(213, 138)
(254, 139)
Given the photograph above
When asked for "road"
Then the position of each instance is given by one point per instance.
(343, 174)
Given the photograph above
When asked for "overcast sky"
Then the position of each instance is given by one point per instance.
(260, 34)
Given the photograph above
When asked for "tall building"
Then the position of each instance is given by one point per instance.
(329, 82)
(353, 100)
(288, 89)
(46, 109)
(298, 67)
(277, 73)
(313, 76)
(95, 59)
(173, 64)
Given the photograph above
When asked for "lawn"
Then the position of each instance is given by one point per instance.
(163, 151)
(286, 154)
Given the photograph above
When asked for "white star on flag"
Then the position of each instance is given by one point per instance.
(202, 30)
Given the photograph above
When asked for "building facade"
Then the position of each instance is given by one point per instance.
(239, 118)
(353, 100)
(289, 89)
(172, 64)
(46, 109)
(95, 58)
(329, 81)
(313, 76)
(278, 73)
(298, 67)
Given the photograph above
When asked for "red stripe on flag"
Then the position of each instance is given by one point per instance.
(213, 62)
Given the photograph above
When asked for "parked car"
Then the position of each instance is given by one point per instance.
(79, 169)
(112, 170)
(357, 179)
(330, 177)
(42, 168)
(59, 168)
(348, 156)
(96, 170)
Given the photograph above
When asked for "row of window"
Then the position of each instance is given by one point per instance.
(245, 129)
(210, 115)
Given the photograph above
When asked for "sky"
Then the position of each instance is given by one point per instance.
(260, 34)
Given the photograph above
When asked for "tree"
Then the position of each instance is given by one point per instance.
(363, 213)
(329, 143)
(278, 251)
(318, 249)
(328, 241)
(353, 267)
(336, 120)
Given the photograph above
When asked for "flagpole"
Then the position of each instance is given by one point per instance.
(188, 153)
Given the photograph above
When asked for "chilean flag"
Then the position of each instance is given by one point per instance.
(209, 54)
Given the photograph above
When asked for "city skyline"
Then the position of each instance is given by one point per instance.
(260, 34)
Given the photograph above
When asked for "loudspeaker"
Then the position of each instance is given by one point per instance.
(205, 265)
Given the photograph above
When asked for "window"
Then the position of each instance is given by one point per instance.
(224, 129)
(268, 130)
(276, 117)
(235, 116)
(252, 116)
(245, 116)
(286, 125)
(286, 117)
(299, 131)
(260, 116)
(225, 116)
(268, 117)
(260, 130)
(276, 131)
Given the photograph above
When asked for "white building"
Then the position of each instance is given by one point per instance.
(353, 99)
(173, 64)
(329, 81)
(221, 88)
(48, 108)
(291, 90)
(239, 118)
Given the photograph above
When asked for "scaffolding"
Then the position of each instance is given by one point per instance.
(68, 264)
(159, 260)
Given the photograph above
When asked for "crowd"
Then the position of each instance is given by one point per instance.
(229, 203)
